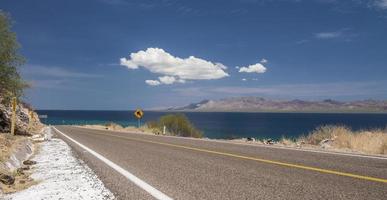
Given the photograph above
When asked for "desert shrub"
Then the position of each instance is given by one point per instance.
(372, 141)
(152, 124)
(383, 149)
(367, 141)
(286, 141)
(176, 124)
(113, 126)
(326, 132)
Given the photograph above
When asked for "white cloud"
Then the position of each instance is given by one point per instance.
(328, 35)
(152, 82)
(167, 80)
(243, 79)
(256, 68)
(158, 61)
(53, 71)
(381, 4)
(128, 63)
(264, 61)
(344, 34)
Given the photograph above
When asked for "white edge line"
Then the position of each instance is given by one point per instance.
(140, 183)
(256, 145)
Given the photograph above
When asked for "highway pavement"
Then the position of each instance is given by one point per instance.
(142, 166)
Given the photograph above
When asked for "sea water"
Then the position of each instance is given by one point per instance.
(228, 125)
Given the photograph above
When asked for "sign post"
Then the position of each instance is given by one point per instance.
(138, 114)
(13, 118)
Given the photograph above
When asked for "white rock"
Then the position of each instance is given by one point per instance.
(62, 176)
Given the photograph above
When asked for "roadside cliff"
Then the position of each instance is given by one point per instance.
(27, 121)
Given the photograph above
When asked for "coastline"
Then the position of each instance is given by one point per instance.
(270, 111)
(225, 111)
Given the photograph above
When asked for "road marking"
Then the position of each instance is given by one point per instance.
(140, 183)
(326, 171)
(255, 145)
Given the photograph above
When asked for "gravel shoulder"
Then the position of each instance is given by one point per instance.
(60, 175)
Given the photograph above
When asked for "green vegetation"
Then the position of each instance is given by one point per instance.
(176, 124)
(11, 83)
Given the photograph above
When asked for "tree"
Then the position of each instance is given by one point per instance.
(11, 83)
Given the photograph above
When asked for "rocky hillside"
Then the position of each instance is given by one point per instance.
(23, 124)
(16, 149)
(257, 104)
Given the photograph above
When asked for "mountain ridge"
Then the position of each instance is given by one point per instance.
(259, 104)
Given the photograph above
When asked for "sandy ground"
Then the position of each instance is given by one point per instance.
(118, 128)
(60, 175)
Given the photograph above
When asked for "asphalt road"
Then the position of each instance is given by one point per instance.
(184, 168)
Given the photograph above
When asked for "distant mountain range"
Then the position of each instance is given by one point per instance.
(257, 104)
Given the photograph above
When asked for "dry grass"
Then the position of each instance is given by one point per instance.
(116, 127)
(286, 141)
(113, 126)
(143, 129)
(366, 141)
(6, 142)
(374, 142)
(326, 132)
(35, 125)
(22, 181)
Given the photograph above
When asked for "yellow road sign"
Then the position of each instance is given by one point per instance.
(138, 113)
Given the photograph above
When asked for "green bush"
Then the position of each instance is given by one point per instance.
(176, 124)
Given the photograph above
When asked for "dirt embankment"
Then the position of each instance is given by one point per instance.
(15, 150)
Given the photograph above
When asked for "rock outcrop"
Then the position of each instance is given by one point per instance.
(6, 179)
(25, 125)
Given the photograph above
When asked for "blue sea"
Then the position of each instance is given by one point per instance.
(228, 125)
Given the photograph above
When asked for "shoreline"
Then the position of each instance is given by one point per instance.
(224, 111)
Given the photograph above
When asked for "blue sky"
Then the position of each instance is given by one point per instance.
(122, 54)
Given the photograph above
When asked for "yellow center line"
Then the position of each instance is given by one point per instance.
(326, 171)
